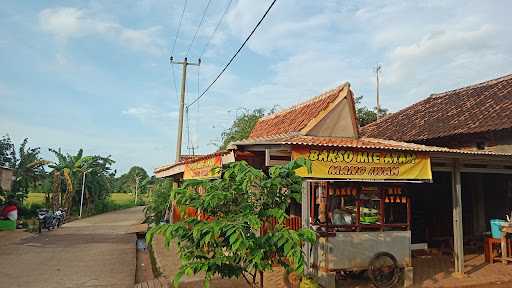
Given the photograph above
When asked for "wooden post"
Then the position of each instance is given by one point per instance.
(458, 246)
(382, 196)
(358, 210)
(312, 200)
(306, 203)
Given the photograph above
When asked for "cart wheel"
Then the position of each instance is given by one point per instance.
(383, 270)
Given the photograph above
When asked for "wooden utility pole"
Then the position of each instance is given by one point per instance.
(184, 64)
(377, 72)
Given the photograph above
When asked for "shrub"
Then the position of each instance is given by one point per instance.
(29, 212)
(159, 202)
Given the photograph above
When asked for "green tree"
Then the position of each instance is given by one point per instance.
(225, 238)
(7, 152)
(242, 126)
(69, 170)
(365, 115)
(29, 168)
(126, 183)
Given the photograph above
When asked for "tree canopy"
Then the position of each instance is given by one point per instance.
(27, 164)
(126, 182)
(242, 126)
(7, 152)
(365, 115)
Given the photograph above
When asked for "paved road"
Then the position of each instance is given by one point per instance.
(97, 251)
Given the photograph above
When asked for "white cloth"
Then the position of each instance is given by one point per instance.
(13, 215)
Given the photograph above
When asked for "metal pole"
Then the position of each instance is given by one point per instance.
(136, 188)
(377, 71)
(82, 197)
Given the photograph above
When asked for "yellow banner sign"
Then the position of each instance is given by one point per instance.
(204, 168)
(364, 164)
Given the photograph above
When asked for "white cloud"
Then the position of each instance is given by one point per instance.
(439, 48)
(67, 23)
(148, 112)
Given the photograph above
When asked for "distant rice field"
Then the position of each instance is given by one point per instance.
(117, 198)
(123, 198)
(35, 198)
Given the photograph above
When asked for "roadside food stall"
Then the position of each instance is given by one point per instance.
(357, 202)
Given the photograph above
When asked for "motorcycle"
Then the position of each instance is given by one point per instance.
(60, 216)
(46, 220)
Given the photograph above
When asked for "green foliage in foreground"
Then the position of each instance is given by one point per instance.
(225, 239)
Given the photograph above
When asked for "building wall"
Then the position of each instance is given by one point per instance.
(6, 178)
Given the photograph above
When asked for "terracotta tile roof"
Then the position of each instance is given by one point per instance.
(363, 143)
(295, 118)
(482, 107)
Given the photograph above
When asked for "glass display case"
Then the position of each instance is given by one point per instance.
(340, 206)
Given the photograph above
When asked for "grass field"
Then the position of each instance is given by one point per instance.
(35, 198)
(122, 199)
(117, 201)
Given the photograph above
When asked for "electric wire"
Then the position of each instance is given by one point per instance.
(179, 27)
(234, 56)
(216, 28)
(174, 82)
(174, 47)
(198, 27)
(187, 119)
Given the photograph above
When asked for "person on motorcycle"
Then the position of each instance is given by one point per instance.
(9, 215)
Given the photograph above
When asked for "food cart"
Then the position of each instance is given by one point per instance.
(361, 212)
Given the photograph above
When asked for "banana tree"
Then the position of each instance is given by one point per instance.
(70, 168)
(29, 168)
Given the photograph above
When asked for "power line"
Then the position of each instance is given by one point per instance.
(174, 46)
(234, 56)
(179, 27)
(216, 28)
(198, 27)
(174, 82)
(188, 129)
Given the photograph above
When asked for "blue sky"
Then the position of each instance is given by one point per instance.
(96, 74)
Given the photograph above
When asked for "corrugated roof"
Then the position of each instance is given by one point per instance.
(189, 159)
(363, 143)
(295, 118)
(183, 159)
(478, 108)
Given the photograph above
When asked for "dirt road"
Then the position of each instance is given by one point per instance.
(94, 252)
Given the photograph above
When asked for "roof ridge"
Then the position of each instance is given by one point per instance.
(477, 85)
(274, 136)
(309, 101)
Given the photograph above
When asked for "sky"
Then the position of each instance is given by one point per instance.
(96, 74)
